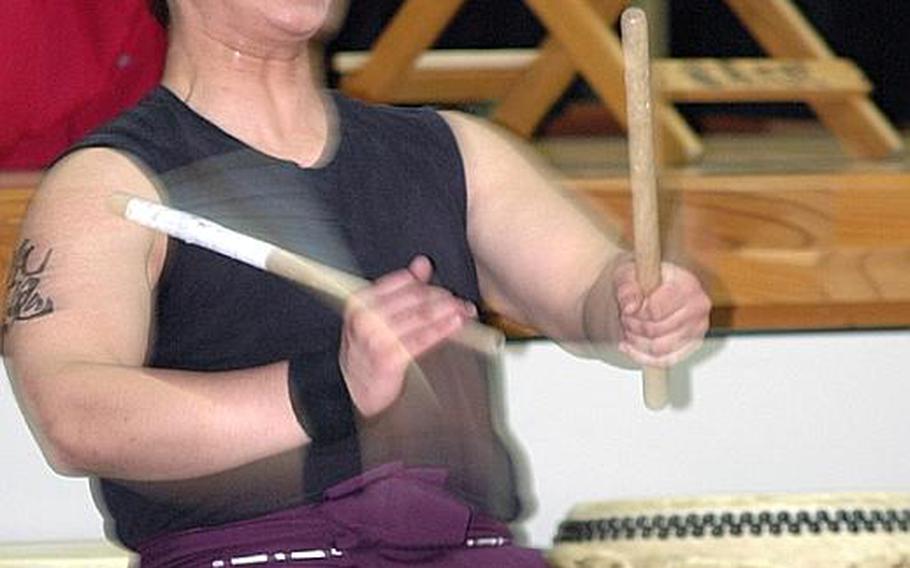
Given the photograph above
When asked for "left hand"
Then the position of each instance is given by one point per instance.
(664, 327)
(389, 324)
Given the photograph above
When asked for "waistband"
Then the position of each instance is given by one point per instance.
(398, 513)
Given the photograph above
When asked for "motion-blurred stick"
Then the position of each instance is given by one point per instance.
(332, 283)
(642, 176)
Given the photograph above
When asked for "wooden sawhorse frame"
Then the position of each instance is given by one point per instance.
(527, 83)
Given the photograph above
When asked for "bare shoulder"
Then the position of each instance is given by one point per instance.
(79, 186)
(459, 120)
(478, 138)
(498, 164)
(71, 211)
(81, 275)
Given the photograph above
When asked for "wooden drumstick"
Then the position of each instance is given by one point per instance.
(642, 176)
(336, 285)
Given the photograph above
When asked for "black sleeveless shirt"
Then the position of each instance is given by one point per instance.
(391, 187)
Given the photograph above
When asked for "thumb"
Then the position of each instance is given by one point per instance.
(630, 301)
(629, 294)
(421, 268)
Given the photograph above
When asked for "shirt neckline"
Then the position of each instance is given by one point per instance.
(330, 152)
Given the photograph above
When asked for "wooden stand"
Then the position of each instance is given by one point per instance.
(527, 83)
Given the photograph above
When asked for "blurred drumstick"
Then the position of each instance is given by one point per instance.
(642, 176)
(336, 285)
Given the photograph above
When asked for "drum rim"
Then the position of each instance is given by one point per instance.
(592, 510)
(886, 515)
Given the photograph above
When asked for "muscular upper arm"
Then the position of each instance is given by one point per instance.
(81, 279)
(537, 251)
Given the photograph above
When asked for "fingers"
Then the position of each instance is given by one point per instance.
(677, 308)
(648, 359)
(388, 283)
(667, 325)
(389, 324)
(665, 345)
(402, 305)
(629, 294)
(679, 290)
(421, 268)
(384, 350)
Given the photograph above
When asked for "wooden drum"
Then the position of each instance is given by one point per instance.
(870, 530)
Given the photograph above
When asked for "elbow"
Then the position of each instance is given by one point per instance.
(63, 450)
(56, 422)
(58, 435)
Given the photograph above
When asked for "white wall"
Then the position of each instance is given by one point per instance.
(793, 412)
(780, 413)
(36, 503)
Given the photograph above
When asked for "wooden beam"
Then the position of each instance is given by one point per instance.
(450, 76)
(448, 60)
(596, 53)
(413, 29)
(472, 75)
(784, 32)
(531, 97)
(759, 80)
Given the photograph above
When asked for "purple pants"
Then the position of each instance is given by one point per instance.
(388, 517)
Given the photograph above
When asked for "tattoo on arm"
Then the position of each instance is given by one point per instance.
(25, 300)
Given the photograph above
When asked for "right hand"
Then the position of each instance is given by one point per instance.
(388, 325)
(664, 327)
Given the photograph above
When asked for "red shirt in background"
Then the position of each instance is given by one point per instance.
(67, 66)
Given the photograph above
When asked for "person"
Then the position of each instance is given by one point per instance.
(230, 417)
(66, 68)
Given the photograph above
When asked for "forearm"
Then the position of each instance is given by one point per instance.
(154, 424)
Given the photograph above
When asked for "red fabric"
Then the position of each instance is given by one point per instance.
(66, 66)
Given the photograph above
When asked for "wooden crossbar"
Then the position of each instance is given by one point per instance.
(450, 76)
(759, 80)
(462, 76)
(596, 52)
(413, 30)
(545, 82)
(783, 31)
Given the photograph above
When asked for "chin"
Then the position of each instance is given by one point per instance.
(302, 18)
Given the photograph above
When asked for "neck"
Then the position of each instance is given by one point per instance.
(267, 96)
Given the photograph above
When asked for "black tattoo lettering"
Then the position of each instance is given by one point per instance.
(24, 298)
